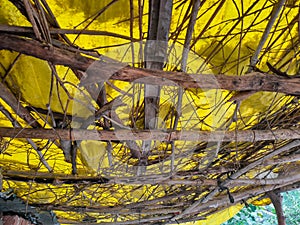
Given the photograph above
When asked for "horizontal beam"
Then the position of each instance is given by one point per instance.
(124, 134)
(59, 56)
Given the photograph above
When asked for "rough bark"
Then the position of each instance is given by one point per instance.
(14, 220)
(252, 82)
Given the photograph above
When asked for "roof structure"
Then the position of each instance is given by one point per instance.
(149, 112)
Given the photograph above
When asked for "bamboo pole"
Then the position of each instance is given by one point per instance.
(127, 134)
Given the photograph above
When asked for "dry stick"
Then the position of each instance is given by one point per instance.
(289, 187)
(280, 36)
(10, 67)
(22, 112)
(185, 53)
(131, 30)
(51, 178)
(238, 97)
(243, 195)
(100, 12)
(217, 203)
(41, 18)
(146, 135)
(52, 20)
(276, 10)
(161, 179)
(120, 209)
(30, 141)
(57, 56)
(209, 21)
(283, 159)
(254, 81)
(219, 44)
(149, 220)
(270, 181)
(246, 194)
(276, 199)
(30, 13)
(174, 36)
(195, 206)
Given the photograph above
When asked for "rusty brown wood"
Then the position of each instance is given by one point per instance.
(252, 82)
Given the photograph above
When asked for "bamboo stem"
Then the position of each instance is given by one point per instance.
(125, 134)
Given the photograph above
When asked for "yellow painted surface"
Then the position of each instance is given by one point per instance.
(30, 79)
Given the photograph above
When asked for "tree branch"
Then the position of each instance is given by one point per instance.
(197, 205)
(15, 104)
(252, 82)
(276, 199)
(28, 30)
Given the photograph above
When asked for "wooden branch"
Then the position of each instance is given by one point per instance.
(220, 201)
(284, 159)
(276, 199)
(251, 82)
(157, 179)
(45, 51)
(51, 178)
(242, 194)
(274, 15)
(15, 123)
(15, 104)
(145, 220)
(124, 134)
(269, 181)
(28, 30)
(197, 205)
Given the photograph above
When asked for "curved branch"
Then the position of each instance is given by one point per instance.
(276, 199)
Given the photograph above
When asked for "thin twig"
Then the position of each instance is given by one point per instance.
(276, 10)
(16, 124)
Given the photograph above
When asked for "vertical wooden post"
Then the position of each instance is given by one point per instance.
(160, 14)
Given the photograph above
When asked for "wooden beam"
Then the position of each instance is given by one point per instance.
(251, 82)
(146, 135)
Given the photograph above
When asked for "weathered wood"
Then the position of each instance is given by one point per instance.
(162, 178)
(198, 204)
(57, 56)
(252, 82)
(276, 199)
(14, 220)
(124, 134)
(159, 20)
(29, 30)
(14, 103)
